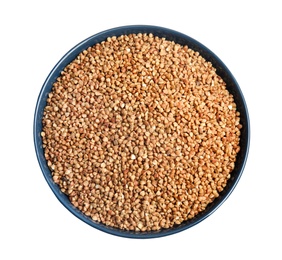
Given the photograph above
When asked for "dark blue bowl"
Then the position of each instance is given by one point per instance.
(182, 39)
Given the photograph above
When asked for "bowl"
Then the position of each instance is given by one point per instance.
(182, 39)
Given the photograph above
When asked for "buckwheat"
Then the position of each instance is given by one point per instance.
(140, 132)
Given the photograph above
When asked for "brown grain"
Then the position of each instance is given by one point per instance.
(140, 132)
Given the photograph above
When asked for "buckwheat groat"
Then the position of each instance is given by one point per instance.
(140, 132)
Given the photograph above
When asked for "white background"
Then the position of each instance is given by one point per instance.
(246, 35)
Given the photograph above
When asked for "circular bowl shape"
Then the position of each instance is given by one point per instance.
(182, 39)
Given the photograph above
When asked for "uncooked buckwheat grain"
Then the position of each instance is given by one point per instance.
(140, 132)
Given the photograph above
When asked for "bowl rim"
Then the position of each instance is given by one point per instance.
(71, 55)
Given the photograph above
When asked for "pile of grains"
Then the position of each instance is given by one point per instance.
(140, 132)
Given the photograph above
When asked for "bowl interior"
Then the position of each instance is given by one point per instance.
(177, 37)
